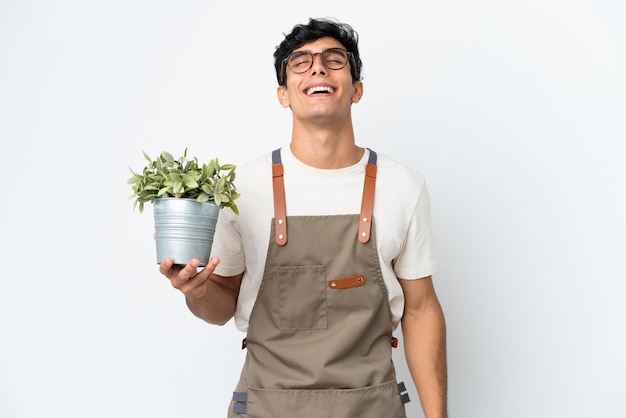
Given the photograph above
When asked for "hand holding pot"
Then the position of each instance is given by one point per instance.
(210, 297)
(188, 279)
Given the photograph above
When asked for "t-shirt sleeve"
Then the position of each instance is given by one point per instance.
(227, 245)
(417, 258)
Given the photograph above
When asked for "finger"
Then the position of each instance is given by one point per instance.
(165, 267)
(197, 278)
(213, 262)
(185, 274)
(195, 286)
(203, 274)
(190, 270)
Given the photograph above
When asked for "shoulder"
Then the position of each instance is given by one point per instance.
(253, 174)
(252, 167)
(391, 171)
(253, 182)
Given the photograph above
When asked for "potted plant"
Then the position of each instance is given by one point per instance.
(186, 197)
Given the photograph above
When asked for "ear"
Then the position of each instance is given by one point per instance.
(283, 97)
(357, 91)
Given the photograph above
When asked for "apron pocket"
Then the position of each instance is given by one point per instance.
(379, 401)
(302, 297)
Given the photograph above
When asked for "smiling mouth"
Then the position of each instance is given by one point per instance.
(319, 90)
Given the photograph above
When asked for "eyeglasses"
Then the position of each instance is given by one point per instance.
(333, 58)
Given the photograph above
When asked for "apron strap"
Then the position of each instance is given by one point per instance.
(367, 204)
(280, 209)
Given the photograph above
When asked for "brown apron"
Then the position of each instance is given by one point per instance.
(320, 336)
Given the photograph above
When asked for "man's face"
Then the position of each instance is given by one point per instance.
(320, 93)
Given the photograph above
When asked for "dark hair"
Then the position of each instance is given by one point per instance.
(314, 30)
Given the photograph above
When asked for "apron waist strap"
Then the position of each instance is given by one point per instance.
(394, 343)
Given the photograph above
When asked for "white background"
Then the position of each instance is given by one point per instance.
(513, 110)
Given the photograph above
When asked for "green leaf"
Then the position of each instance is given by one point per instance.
(166, 176)
(191, 183)
(166, 156)
(211, 168)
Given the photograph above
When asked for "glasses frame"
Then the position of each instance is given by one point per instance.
(283, 75)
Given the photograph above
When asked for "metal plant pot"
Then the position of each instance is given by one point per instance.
(184, 229)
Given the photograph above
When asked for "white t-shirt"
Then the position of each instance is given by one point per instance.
(401, 218)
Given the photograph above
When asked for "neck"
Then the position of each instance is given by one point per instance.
(326, 148)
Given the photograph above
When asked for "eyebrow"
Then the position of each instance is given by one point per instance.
(295, 51)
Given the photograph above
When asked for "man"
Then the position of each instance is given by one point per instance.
(332, 248)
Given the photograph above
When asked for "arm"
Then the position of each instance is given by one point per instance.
(210, 297)
(424, 332)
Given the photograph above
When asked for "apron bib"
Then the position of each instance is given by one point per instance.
(319, 337)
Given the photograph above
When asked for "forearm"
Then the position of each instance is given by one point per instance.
(218, 303)
(424, 334)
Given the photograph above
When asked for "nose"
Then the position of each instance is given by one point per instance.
(318, 64)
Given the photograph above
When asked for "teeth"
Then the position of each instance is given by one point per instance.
(317, 89)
